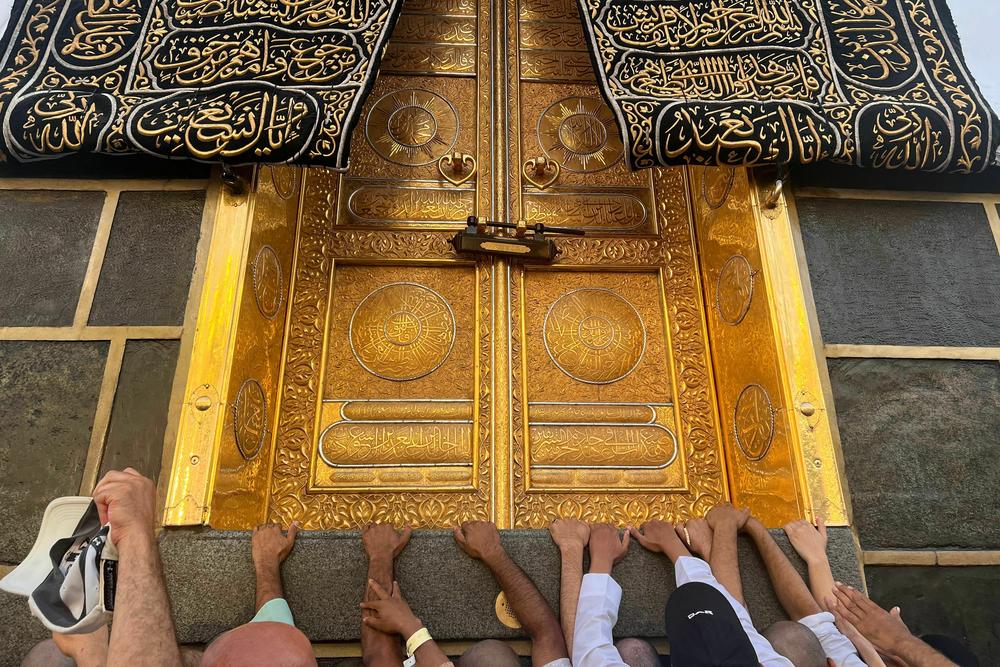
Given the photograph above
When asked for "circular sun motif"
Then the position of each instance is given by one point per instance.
(268, 289)
(594, 335)
(412, 127)
(753, 422)
(402, 331)
(250, 418)
(580, 134)
(734, 289)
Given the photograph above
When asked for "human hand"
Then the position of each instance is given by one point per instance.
(389, 612)
(698, 535)
(809, 541)
(479, 539)
(606, 547)
(569, 533)
(885, 630)
(126, 500)
(270, 545)
(725, 515)
(657, 536)
(382, 541)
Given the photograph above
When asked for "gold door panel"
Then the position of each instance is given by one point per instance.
(362, 371)
(400, 405)
(594, 362)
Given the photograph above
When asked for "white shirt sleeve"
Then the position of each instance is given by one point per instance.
(836, 646)
(596, 615)
(688, 569)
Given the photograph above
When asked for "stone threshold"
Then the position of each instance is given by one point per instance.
(944, 558)
(210, 577)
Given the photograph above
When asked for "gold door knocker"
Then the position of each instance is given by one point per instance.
(457, 167)
(541, 172)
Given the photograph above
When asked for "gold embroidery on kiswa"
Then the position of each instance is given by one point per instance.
(234, 80)
(873, 83)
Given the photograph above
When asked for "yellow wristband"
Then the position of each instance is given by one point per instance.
(416, 640)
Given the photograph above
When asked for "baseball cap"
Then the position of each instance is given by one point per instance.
(703, 630)
(70, 574)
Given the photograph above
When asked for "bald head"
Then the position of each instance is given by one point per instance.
(265, 643)
(797, 643)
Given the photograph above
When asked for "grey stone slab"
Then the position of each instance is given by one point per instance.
(19, 630)
(48, 391)
(920, 450)
(45, 241)
(902, 272)
(961, 602)
(210, 577)
(139, 413)
(150, 258)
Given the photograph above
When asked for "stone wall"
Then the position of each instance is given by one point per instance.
(96, 278)
(907, 293)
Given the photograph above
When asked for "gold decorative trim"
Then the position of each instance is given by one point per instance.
(940, 558)
(110, 185)
(102, 415)
(96, 262)
(993, 216)
(90, 333)
(911, 352)
(202, 410)
(895, 195)
(699, 436)
(319, 250)
(805, 375)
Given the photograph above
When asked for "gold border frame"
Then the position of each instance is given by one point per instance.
(202, 404)
(805, 378)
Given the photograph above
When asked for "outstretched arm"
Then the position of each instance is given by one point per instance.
(600, 597)
(885, 631)
(792, 592)
(661, 537)
(142, 632)
(726, 521)
(571, 536)
(382, 544)
(270, 547)
(480, 539)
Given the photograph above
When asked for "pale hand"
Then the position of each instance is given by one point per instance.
(389, 612)
(382, 540)
(567, 533)
(479, 539)
(127, 501)
(270, 544)
(809, 541)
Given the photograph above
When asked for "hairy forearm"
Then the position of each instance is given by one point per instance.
(725, 562)
(530, 607)
(792, 592)
(430, 655)
(570, 580)
(378, 647)
(142, 632)
(916, 653)
(268, 584)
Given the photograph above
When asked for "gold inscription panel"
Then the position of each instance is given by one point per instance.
(596, 374)
(399, 392)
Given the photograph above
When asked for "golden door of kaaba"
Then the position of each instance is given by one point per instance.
(372, 374)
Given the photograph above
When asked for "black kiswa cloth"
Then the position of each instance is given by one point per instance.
(236, 81)
(879, 83)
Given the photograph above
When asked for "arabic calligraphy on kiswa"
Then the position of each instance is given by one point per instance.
(233, 80)
(872, 83)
